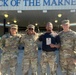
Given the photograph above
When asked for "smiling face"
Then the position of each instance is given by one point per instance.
(30, 30)
(65, 27)
(13, 31)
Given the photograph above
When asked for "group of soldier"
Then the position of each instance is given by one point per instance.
(64, 41)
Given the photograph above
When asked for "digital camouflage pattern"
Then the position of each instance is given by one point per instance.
(48, 58)
(67, 51)
(30, 52)
(9, 45)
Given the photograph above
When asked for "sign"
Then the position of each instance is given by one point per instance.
(37, 4)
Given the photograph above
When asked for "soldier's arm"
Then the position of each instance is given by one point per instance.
(41, 37)
(74, 57)
(2, 42)
(39, 41)
(75, 45)
(19, 37)
(21, 42)
(36, 41)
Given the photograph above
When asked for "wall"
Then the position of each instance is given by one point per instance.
(73, 28)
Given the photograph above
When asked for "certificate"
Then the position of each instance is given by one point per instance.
(48, 41)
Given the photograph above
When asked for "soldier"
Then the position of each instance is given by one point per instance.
(29, 39)
(9, 45)
(68, 48)
(50, 43)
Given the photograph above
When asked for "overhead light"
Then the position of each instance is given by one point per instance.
(15, 21)
(59, 15)
(19, 11)
(6, 15)
(36, 24)
(44, 11)
(56, 21)
(8, 22)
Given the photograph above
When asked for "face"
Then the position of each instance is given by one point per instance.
(13, 31)
(49, 27)
(30, 30)
(65, 27)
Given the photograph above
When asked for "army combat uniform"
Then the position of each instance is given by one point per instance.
(67, 51)
(30, 53)
(9, 45)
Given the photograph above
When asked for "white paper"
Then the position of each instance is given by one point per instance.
(48, 41)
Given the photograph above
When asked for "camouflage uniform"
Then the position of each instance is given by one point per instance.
(48, 58)
(30, 53)
(68, 46)
(9, 45)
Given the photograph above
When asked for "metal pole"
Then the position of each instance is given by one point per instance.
(4, 25)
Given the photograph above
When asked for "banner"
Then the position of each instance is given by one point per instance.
(37, 4)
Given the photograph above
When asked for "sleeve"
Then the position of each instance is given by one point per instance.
(40, 38)
(75, 45)
(58, 39)
(19, 39)
(2, 42)
(38, 43)
(22, 40)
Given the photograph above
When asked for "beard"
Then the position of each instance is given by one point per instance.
(48, 30)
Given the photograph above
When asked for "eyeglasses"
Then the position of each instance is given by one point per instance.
(30, 28)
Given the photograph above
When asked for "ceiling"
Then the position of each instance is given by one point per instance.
(37, 16)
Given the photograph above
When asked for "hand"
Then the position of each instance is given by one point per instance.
(74, 60)
(52, 45)
(34, 32)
